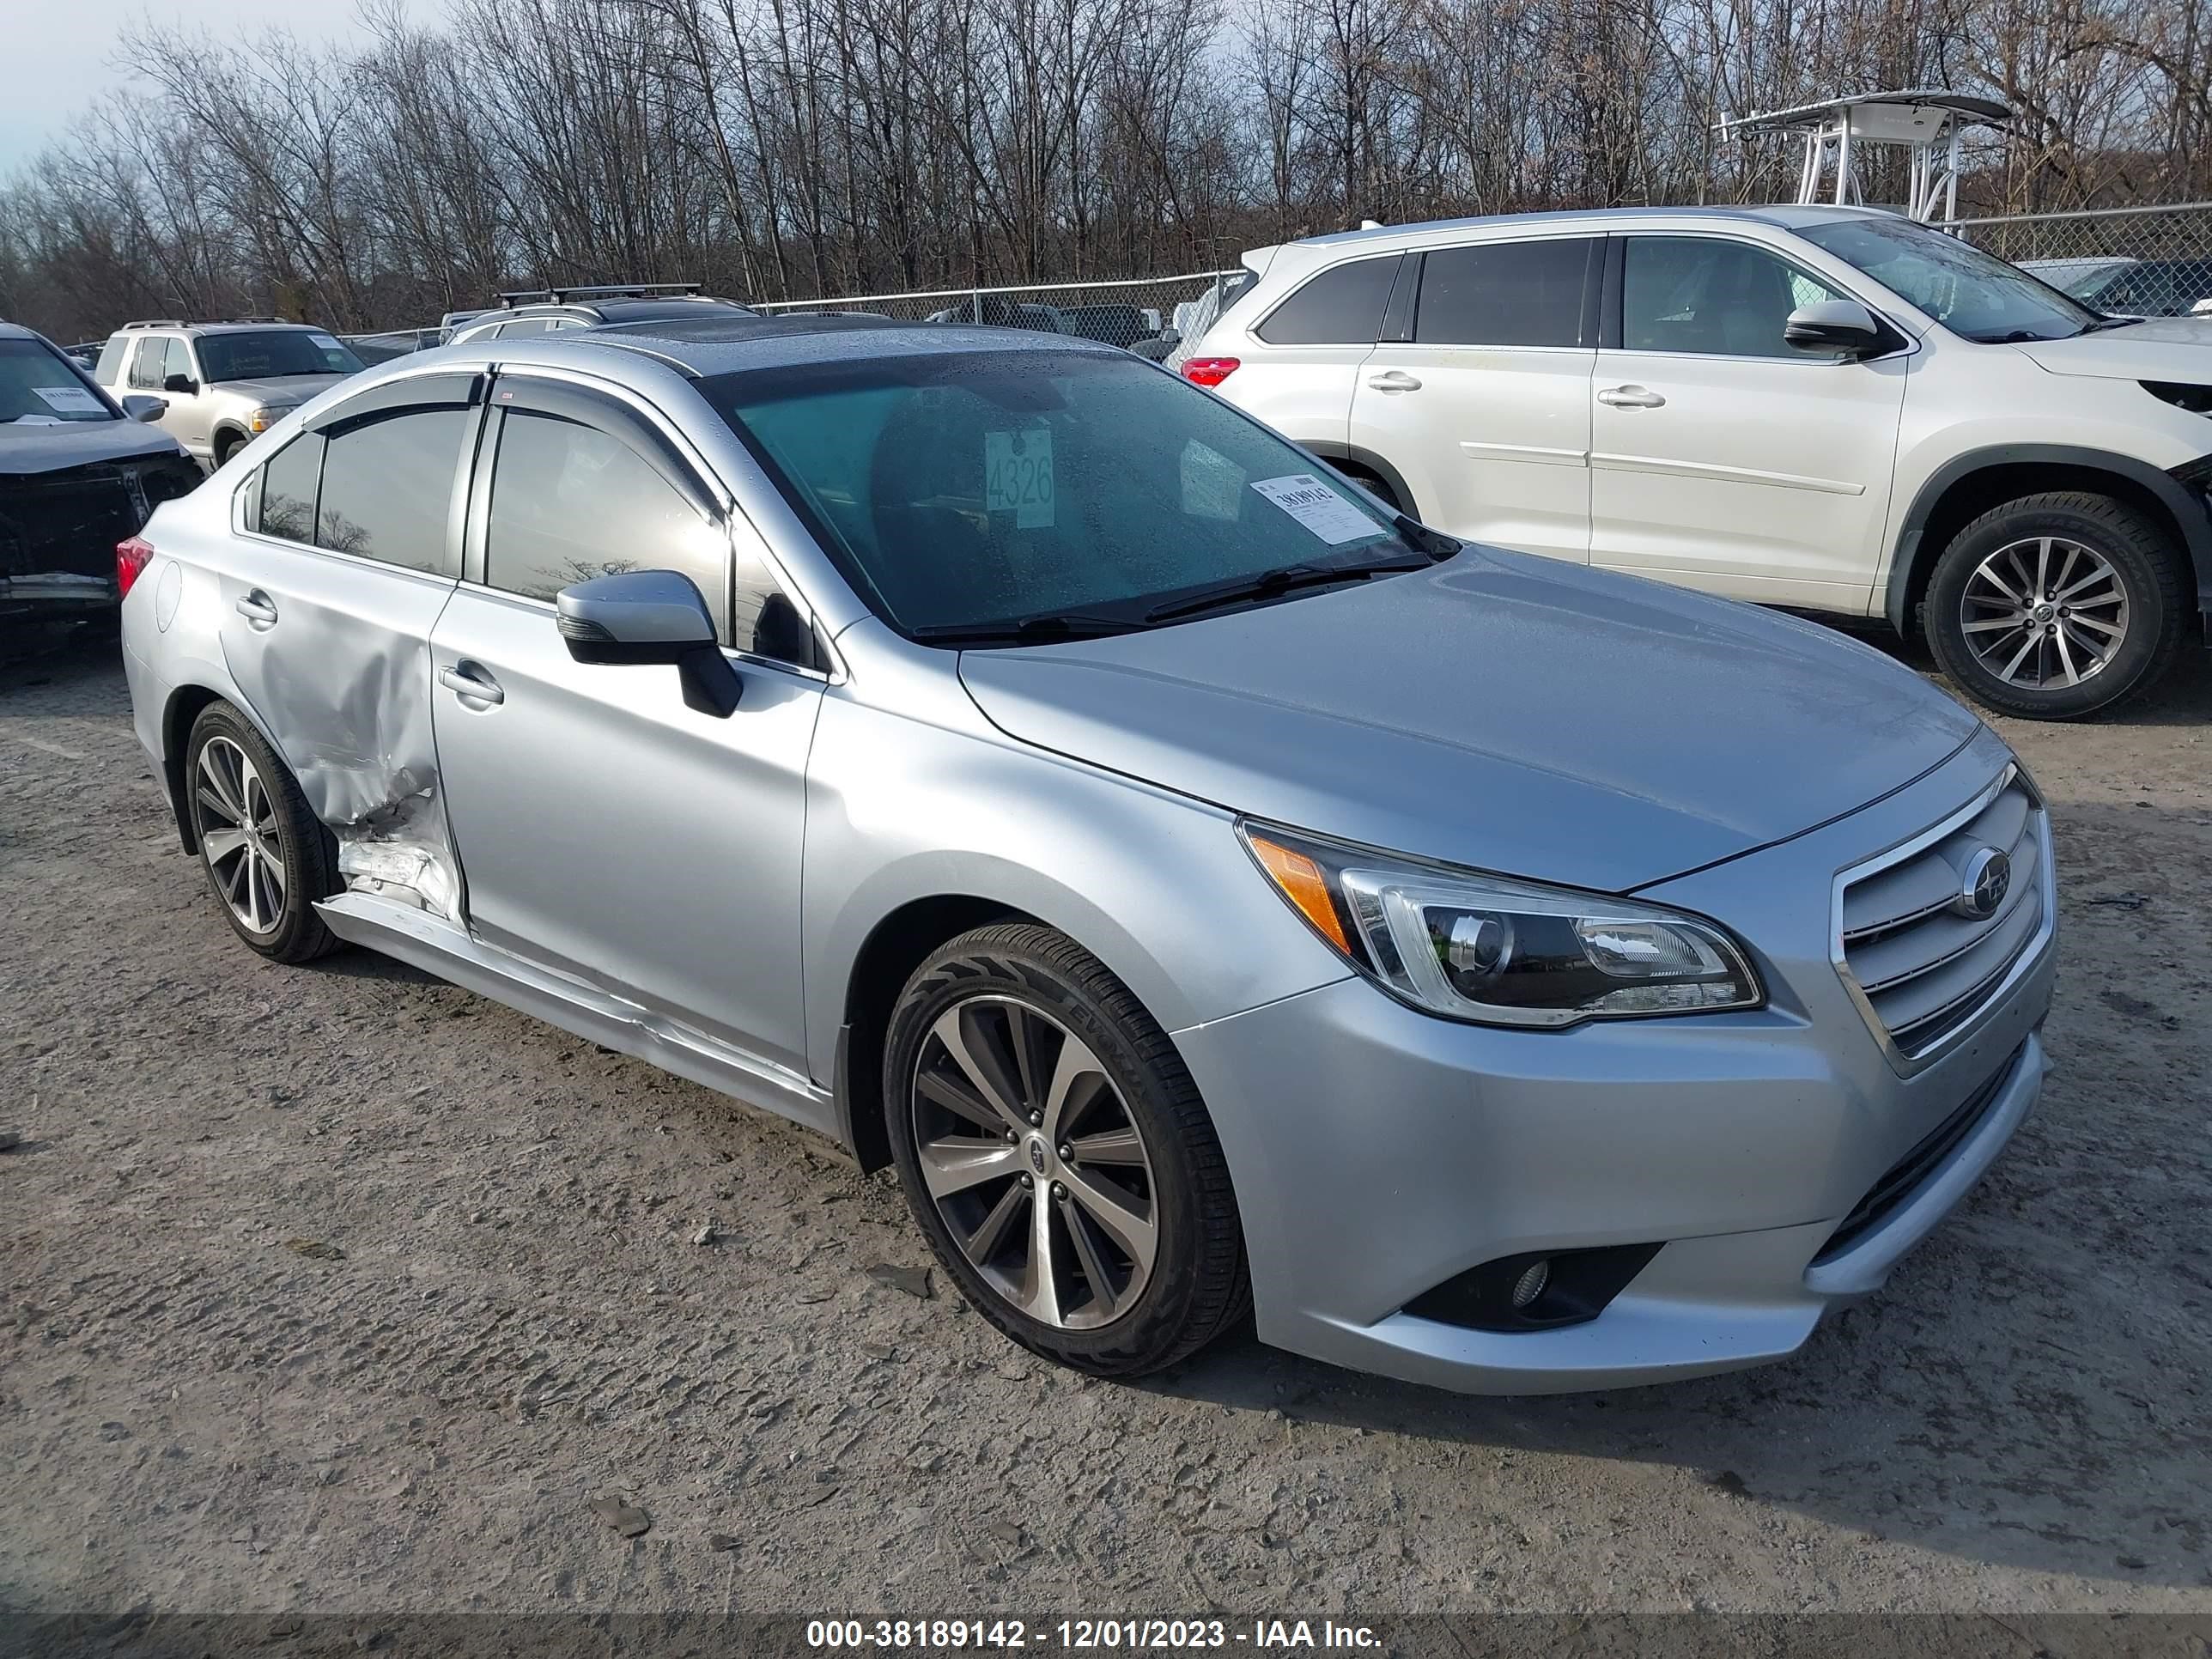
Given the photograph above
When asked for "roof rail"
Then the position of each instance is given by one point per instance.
(256, 319)
(594, 291)
(157, 322)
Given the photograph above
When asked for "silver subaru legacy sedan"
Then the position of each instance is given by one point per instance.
(1210, 891)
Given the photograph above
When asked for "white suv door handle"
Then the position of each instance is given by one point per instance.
(471, 684)
(257, 608)
(1631, 397)
(1396, 380)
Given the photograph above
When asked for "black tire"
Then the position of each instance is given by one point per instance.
(2144, 557)
(306, 851)
(1198, 1285)
(1374, 484)
(226, 446)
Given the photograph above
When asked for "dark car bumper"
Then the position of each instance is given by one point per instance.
(58, 530)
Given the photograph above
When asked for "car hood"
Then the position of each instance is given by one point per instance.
(36, 446)
(1499, 711)
(279, 391)
(2158, 348)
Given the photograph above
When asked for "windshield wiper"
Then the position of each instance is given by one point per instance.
(1281, 579)
(1029, 630)
(2103, 323)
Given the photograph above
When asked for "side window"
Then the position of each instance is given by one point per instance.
(1504, 293)
(569, 503)
(388, 487)
(763, 618)
(1343, 306)
(290, 480)
(109, 370)
(146, 364)
(1705, 296)
(178, 359)
(522, 326)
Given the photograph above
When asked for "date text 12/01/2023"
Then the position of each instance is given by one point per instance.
(1083, 1635)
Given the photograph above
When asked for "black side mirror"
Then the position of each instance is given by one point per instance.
(1833, 325)
(183, 385)
(649, 616)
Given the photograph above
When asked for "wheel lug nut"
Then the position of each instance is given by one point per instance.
(1059, 1191)
(1027, 1180)
(1067, 1155)
(1035, 1118)
(1009, 1137)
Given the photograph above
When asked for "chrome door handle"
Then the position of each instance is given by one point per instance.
(257, 608)
(1396, 380)
(471, 684)
(1631, 397)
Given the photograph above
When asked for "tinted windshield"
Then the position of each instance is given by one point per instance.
(1966, 290)
(263, 355)
(38, 386)
(965, 490)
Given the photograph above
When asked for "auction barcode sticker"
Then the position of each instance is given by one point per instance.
(1318, 508)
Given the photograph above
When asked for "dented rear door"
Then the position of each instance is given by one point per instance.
(349, 554)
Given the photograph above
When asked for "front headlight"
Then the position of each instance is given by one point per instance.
(262, 419)
(1480, 947)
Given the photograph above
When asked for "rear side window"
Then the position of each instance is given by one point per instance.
(1504, 294)
(388, 488)
(523, 326)
(1343, 306)
(146, 366)
(290, 481)
(109, 369)
(569, 503)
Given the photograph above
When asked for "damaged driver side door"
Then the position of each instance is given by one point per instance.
(350, 552)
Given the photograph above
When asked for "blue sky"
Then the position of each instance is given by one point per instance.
(55, 61)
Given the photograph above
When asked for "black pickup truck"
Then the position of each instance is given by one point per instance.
(78, 473)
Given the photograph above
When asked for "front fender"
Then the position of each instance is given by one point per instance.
(1156, 886)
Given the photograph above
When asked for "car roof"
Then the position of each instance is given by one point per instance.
(1788, 214)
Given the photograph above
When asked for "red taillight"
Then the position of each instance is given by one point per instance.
(1208, 371)
(130, 558)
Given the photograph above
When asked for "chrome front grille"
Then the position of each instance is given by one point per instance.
(1921, 963)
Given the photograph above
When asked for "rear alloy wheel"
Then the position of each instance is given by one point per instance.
(2056, 606)
(267, 857)
(1056, 1154)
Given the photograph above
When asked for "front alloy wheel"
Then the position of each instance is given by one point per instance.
(2044, 613)
(2057, 605)
(1034, 1162)
(1056, 1154)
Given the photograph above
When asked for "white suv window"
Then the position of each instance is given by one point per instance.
(1504, 294)
(1343, 306)
(1710, 296)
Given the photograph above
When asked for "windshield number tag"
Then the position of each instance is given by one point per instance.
(69, 399)
(1018, 476)
(1318, 508)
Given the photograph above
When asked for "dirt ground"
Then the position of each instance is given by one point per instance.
(341, 1289)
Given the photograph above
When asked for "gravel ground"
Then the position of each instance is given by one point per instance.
(341, 1289)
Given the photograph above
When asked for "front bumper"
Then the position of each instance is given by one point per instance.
(1379, 1152)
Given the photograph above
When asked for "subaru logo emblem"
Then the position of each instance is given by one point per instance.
(1036, 1155)
(1988, 878)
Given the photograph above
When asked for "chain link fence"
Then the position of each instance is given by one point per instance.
(1156, 317)
(2152, 261)
(2142, 262)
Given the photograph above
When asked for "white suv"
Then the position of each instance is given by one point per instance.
(1831, 409)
